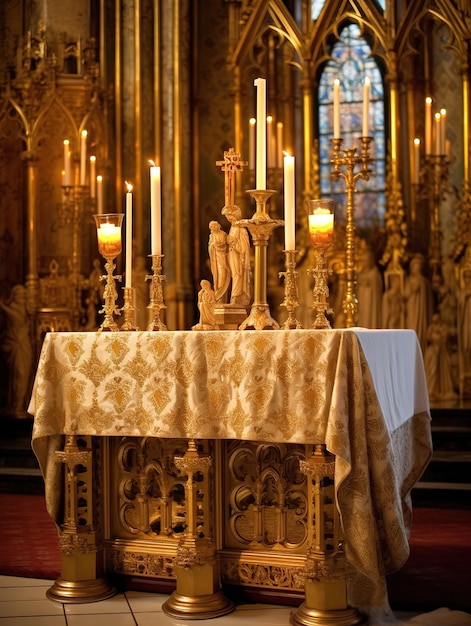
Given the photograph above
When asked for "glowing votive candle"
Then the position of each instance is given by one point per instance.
(321, 227)
(109, 240)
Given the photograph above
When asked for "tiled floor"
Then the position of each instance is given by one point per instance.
(23, 602)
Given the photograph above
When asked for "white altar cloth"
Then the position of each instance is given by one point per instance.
(360, 392)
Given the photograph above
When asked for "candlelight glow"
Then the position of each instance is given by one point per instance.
(128, 186)
(321, 227)
(109, 240)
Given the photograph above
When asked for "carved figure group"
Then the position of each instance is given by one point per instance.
(18, 349)
(229, 256)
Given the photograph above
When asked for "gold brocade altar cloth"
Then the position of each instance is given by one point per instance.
(360, 392)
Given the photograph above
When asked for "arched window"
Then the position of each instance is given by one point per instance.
(351, 62)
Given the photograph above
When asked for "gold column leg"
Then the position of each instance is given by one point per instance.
(197, 595)
(325, 584)
(81, 555)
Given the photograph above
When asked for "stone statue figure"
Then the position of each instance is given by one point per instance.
(369, 291)
(217, 249)
(464, 319)
(238, 256)
(419, 300)
(437, 361)
(393, 302)
(206, 302)
(17, 347)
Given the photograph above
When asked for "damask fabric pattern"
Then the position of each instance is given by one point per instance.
(307, 386)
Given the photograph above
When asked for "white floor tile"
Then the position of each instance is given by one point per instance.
(42, 620)
(103, 619)
(116, 604)
(16, 581)
(30, 608)
(143, 602)
(22, 593)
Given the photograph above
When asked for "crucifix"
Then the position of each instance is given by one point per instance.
(229, 166)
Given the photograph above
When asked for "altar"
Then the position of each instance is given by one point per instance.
(276, 461)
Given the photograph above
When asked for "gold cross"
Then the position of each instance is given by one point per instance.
(229, 166)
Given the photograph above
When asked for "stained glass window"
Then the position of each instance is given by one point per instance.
(318, 5)
(351, 63)
(316, 8)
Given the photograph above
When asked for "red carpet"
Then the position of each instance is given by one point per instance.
(437, 574)
(28, 538)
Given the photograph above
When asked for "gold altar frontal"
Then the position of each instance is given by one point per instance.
(213, 464)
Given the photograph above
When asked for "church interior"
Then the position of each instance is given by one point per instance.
(347, 210)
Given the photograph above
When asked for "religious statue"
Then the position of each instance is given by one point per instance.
(206, 302)
(464, 321)
(437, 361)
(369, 291)
(392, 307)
(217, 249)
(17, 347)
(238, 257)
(238, 242)
(419, 300)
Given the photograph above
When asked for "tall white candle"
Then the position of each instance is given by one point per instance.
(261, 171)
(289, 202)
(92, 176)
(252, 122)
(155, 209)
(442, 131)
(83, 157)
(336, 108)
(271, 143)
(279, 144)
(437, 133)
(416, 175)
(67, 171)
(428, 125)
(99, 194)
(366, 106)
(128, 281)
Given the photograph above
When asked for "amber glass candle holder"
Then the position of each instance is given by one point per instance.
(109, 246)
(321, 234)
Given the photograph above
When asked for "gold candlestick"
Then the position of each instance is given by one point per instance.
(129, 309)
(291, 290)
(348, 159)
(109, 246)
(156, 303)
(260, 226)
(320, 292)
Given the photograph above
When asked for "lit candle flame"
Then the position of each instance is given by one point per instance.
(128, 186)
(151, 163)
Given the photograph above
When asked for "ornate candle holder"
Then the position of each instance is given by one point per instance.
(156, 303)
(109, 245)
(321, 228)
(435, 183)
(129, 309)
(344, 162)
(260, 226)
(291, 290)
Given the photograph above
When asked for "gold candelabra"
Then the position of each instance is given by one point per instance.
(109, 245)
(156, 303)
(75, 206)
(291, 290)
(344, 162)
(260, 226)
(434, 176)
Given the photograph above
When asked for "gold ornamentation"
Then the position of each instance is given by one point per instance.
(291, 290)
(344, 162)
(260, 226)
(156, 303)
